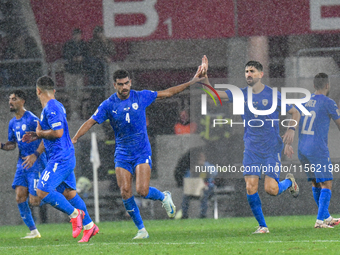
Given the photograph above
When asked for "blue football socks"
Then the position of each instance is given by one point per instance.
(325, 198)
(132, 209)
(26, 215)
(78, 202)
(58, 201)
(316, 194)
(256, 207)
(155, 194)
(284, 185)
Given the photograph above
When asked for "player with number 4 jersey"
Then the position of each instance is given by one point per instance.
(126, 112)
(313, 150)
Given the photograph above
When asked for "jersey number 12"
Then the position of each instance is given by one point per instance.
(309, 131)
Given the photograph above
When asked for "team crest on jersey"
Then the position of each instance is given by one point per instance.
(264, 102)
(23, 127)
(135, 106)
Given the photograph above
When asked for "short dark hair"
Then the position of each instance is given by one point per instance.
(19, 93)
(120, 74)
(45, 83)
(76, 31)
(255, 64)
(320, 80)
(98, 29)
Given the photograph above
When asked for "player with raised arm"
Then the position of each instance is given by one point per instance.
(57, 184)
(263, 144)
(126, 111)
(26, 176)
(313, 150)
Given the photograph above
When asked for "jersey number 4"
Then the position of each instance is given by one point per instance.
(308, 131)
(127, 117)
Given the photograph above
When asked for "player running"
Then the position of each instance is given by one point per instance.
(26, 176)
(57, 184)
(313, 150)
(126, 111)
(263, 145)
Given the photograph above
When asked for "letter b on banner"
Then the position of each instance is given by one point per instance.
(146, 7)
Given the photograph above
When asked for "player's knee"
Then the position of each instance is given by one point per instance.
(69, 193)
(142, 191)
(125, 192)
(20, 198)
(41, 194)
(34, 201)
(251, 188)
(271, 190)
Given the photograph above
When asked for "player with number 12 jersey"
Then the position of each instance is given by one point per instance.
(313, 129)
(313, 150)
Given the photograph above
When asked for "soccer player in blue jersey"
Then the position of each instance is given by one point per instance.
(57, 184)
(313, 150)
(25, 180)
(263, 144)
(126, 111)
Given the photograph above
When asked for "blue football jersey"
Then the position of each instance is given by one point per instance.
(257, 137)
(53, 116)
(313, 130)
(128, 120)
(18, 127)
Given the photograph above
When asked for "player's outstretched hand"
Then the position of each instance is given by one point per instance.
(288, 137)
(29, 161)
(196, 79)
(289, 151)
(204, 66)
(198, 72)
(74, 141)
(29, 137)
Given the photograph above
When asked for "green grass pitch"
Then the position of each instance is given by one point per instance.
(288, 235)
